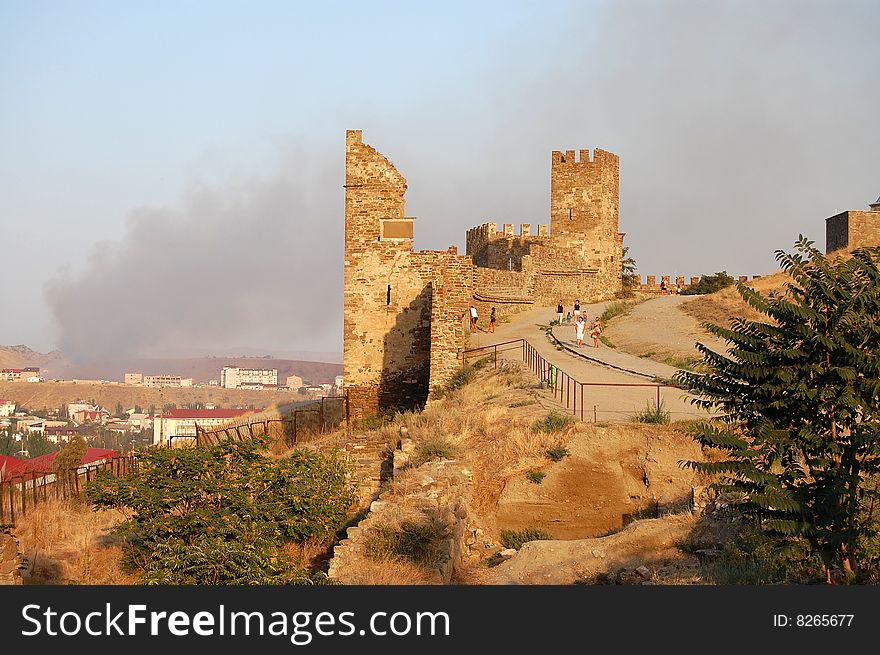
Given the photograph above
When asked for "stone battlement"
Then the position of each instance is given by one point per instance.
(583, 157)
(652, 282)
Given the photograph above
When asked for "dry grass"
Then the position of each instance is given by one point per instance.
(392, 571)
(67, 543)
(478, 418)
(723, 306)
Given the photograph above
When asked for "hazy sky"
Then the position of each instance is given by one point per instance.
(171, 172)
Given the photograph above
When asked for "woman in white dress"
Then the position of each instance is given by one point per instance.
(579, 328)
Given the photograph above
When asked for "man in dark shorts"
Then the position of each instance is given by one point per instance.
(560, 309)
(492, 320)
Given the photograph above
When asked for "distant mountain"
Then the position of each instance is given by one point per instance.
(21, 356)
(202, 369)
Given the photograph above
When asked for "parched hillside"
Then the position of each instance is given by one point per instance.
(723, 306)
(50, 395)
(200, 369)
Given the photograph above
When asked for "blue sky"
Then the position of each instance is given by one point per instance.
(166, 135)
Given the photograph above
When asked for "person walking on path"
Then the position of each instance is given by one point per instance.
(596, 331)
(579, 327)
(492, 320)
(577, 309)
(560, 309)
(473, 319)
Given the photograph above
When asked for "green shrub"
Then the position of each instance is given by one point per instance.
(652, 414)
(483, 362)
(557, 453)
(536, 476)
(709, 284)
(461, 378)
(616, 309)
(435, 448)
(418, 543)
(516, 538)
(232, 494)
(553, 422)
(522, 403)
(375, 422)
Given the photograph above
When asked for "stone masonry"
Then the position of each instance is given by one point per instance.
(406, 312)
(853, 229)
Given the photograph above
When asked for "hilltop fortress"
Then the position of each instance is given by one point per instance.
(406, 311)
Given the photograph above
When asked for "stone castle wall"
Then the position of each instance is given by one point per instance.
(403, 309)
(852, 229)
(405, 319)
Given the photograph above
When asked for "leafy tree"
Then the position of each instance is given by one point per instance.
(69, 459)
(220, 514)
(38, 444)
(800, 401)
(629, 278)
(709, 284)
(120, 411)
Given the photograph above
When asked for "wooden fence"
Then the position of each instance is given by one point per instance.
(22, 492)
(288, 425)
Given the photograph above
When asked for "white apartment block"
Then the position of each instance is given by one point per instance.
(7, 408)
(233, 377)
(182, 422)
(134, 378)
(167, 381)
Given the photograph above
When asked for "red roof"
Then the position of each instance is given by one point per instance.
(43, 463)
(13, 465)
(11, 370)
(206, 413)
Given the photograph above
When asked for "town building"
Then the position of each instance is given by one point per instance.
(61, 433)
(294, 382)
(99, 415)
(7, 408)
(233, 377)
(167, 381)
(338, 380)
(134, 378)
(853, 229)
(182, 422)
(78, 406)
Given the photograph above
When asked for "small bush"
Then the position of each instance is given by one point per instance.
(652, 414)
(522, 403)
(536, 476)
(434, 448)
(375, 422)
(438, 392)
(553, 422)
(461, 378)
(516, 538)
(557, 453)
(483, 362)
(418, 543)
(709, 284)
(616, 309)
(607, 342)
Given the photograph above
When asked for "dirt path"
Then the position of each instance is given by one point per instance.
(658, 329)
(599, 403)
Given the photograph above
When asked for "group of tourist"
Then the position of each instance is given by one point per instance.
(580, 323)
(493, 319)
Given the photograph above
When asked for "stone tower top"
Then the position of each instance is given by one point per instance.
(875, 206)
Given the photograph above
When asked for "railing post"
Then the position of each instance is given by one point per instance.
(582, 401)
(658, 397)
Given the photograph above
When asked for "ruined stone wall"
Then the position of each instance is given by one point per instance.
(389, 314)
(452, 288)
(836, 232)
(10, 559)
(851, 230)
(387, 305)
